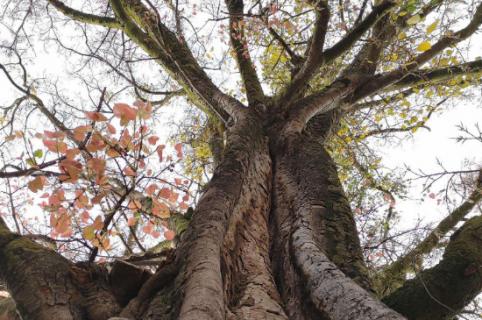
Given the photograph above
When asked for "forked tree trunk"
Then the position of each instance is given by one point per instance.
(273, 237)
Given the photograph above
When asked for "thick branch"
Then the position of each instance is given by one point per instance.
(144, 27)
(83, 17)
(442, 291)
(429, 76)
(379, 82)
(316, 59)
(254, 91)
(396, 271)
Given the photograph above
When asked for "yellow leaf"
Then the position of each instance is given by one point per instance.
(431, 28)
(424, 46)
(413, 20)
(89, 233)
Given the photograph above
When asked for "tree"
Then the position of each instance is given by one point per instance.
(272, 234)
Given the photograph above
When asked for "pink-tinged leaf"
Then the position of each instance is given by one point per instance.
(111, 129)
(153, 140)
(165, 193)
(37, 184)
(84, 216)
(178, 148)
(431, 195)
(96, 143)
(155, 234)
(183, 206)
(70, 154)
(151, 189)
(80, 132)
(185, 197)
(148, 228)
(131, 221)
(55, 145)
(124, 112)
(97, 165)
(98, 224)
(95, 116)
(169, 235)
(178, 181)
(159, 150)
(173, 196)
(358, 211)
(128, 171)
(54, 135)
(144, 109)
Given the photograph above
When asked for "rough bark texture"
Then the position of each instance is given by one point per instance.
(273, 236)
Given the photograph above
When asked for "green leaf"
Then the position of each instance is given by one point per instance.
(413, 20)
(38, 153)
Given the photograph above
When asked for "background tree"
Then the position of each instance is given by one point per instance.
(280, 105)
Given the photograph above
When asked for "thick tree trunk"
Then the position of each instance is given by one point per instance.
(273, 237)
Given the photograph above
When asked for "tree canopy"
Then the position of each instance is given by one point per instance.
(125, 122)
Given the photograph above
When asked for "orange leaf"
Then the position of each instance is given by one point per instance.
(95, 116)
(98, 224)
(151, 189)
(165, 193)
(178, 148)
(169, 234)
(55, 146)
(128, 171)
(37, 184)
(131, 221)
(124, 112)
(160, 209)
(153, 139)
(111, 129)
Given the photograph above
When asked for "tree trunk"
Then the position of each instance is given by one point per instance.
(273, 237)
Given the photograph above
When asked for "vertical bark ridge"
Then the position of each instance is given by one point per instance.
(332, 293)
(200, 283)
(297, 303)
(333, 223)
(249, 284)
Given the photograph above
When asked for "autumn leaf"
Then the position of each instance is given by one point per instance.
(89, 233)
(111, 129)
(37, 184)
(124, 112)
(159, 151)
(128, 171)
(98, 224)
(80, 132)
(95, 116)
(55, 145)
(153, 140)
(178, 148)
(424, 46)
(169, 235)
(160, 209)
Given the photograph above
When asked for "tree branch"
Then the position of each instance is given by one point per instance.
(83, 17)
(442, 291)
(316, 59)
(254, 91)
(397, 270)
(379, 82)
(143, 27)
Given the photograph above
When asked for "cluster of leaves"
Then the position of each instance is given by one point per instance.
(110, 177)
